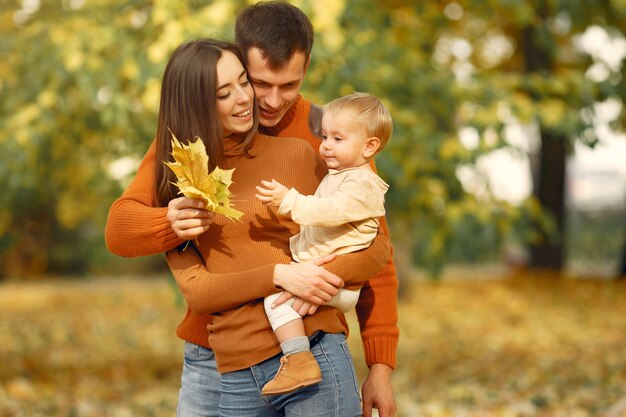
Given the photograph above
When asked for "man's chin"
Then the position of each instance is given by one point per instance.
(268, 122)
(270, 119)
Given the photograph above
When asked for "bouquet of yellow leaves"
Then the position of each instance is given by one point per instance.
(194, 181)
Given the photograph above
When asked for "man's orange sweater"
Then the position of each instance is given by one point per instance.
(135, 227)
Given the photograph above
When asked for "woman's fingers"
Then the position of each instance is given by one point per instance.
(188, 218)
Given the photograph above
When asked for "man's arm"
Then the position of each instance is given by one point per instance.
(377, 312)
(136, 227)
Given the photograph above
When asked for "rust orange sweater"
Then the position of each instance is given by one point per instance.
(234, 263)
(136, 227)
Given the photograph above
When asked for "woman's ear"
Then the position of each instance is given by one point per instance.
(371, 147)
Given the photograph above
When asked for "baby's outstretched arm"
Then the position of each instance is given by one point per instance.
(271, 193)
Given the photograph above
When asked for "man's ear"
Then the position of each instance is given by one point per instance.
(371, 146)
(306, 64)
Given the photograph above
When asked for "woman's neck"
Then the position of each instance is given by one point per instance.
(236, 137)
(234, 144)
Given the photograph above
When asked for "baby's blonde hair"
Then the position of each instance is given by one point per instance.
(368, 111)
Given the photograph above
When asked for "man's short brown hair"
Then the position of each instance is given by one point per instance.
(277, 28)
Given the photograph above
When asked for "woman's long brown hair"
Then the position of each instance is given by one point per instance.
(188, 108)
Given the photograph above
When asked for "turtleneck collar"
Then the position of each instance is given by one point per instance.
(234, 146)
(285, 121)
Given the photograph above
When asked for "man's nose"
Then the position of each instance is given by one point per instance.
(272, 98)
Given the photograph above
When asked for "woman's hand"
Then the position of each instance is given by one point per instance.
(308, 280)
(188, 217)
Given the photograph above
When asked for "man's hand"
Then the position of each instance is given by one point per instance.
(377, 391)
(308, 280)
(271, 193)
(188, 217)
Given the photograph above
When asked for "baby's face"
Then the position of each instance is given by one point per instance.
(343, 141)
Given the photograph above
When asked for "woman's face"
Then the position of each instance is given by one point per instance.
(234, 95)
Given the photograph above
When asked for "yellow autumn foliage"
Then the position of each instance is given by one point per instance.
(194, 181)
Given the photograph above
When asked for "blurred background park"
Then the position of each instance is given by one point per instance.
(507, 200)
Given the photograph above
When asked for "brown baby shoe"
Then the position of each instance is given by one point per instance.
(296, 370)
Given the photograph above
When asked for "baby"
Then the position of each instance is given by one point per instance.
(341, 217)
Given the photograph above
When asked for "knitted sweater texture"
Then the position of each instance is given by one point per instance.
(136, 227)
(234, 263)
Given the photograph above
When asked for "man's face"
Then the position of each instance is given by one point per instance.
(276, 91)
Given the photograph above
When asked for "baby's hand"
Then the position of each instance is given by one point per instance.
(271, 193)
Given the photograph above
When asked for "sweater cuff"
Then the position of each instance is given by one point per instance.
(288, 202)
(267, 283)
(164, 232)
(382, 350)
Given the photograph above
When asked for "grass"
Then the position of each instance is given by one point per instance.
(525, 345)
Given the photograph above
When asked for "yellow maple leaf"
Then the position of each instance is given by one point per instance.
(194, 181)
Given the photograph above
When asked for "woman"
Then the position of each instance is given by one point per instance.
(205, 92)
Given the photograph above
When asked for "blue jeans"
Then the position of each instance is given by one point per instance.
(336, 396)
(199, 394)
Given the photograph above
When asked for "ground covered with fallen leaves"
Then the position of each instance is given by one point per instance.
(524, 345)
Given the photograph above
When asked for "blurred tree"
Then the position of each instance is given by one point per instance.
(79, 89)
(485, 65)
(78, 92)
(553, 71)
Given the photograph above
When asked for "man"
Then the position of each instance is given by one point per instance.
(276, 39)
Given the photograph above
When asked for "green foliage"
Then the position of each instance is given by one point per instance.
(79, 88)
(585, 228)
(441, 70)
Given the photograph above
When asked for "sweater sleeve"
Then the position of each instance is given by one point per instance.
(370, 261)
(377, 312)
(207, 292)
(135, 227)
(354, 200)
